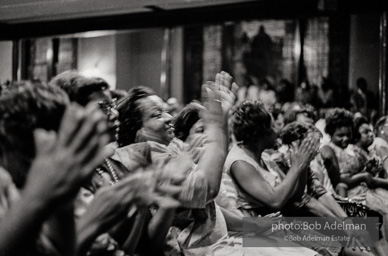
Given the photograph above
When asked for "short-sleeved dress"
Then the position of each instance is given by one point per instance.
(349, 161)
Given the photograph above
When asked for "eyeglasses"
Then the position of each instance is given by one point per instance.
(108, 106)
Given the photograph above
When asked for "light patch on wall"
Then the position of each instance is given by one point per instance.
(97, 57)
(91, 72)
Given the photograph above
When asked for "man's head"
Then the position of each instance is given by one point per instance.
(84, 90)
(24, 108)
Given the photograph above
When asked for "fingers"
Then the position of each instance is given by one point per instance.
(94, 155)
(166, 202)
(44, 141)
(168, 189)
(205, 92)
(228, 80)
(196, 141)
(219, 81)
(93, 125)
(309, 146)
(234, 88)
(70, 124)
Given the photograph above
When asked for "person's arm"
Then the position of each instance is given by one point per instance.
(331, 164)
(299, 188)
(330, 203)
(382, 152)
(59, 229)
(109, 207)
(379, 183)
(219, 99)
(158, 228)
(314, 206)
(63, 161)
(355, 180)
(28, 213)
(233, 220)
(211, 163)
(256, 186)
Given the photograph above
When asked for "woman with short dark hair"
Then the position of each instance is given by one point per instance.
(262, 187)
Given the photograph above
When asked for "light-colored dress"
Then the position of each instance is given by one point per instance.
(200, 228)
(245, 203)
(248, 206)
(349, 161)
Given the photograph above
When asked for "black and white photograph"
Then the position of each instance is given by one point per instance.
(193, 127)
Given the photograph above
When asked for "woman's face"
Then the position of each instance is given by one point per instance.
(156, 122)
(342, 136)
(279, 123)
(198, 128)
(366, 135)
(106, 104)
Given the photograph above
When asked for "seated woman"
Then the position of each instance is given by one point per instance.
(127, 234)
(249, 166)
(319, 201)
(363, 139)
(143, 118)
(346, 162)
(262, 187)
(189, 125)
(199, 227)
(353, 179)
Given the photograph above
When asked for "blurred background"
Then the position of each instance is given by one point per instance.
(174, 46)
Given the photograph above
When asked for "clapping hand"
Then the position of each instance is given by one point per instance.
(305, 153)
(227, 90)
(66, 159)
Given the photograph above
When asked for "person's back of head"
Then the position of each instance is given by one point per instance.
(24, 108)
(79, 88)
(297, 131)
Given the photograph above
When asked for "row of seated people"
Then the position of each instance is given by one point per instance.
(86, 175)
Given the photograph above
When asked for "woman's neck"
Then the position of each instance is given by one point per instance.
(253, 153)
(149, 136)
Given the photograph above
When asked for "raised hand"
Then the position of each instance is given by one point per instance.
(227, 90)
(305, 153)
(67, 159)
(213, 114)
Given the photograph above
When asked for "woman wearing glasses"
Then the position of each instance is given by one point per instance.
(125, 230)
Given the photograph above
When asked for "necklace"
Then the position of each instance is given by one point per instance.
(112, 173)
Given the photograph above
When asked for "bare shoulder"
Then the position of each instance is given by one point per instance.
(241, 169)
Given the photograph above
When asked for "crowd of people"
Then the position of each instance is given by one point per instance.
(86, 170)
